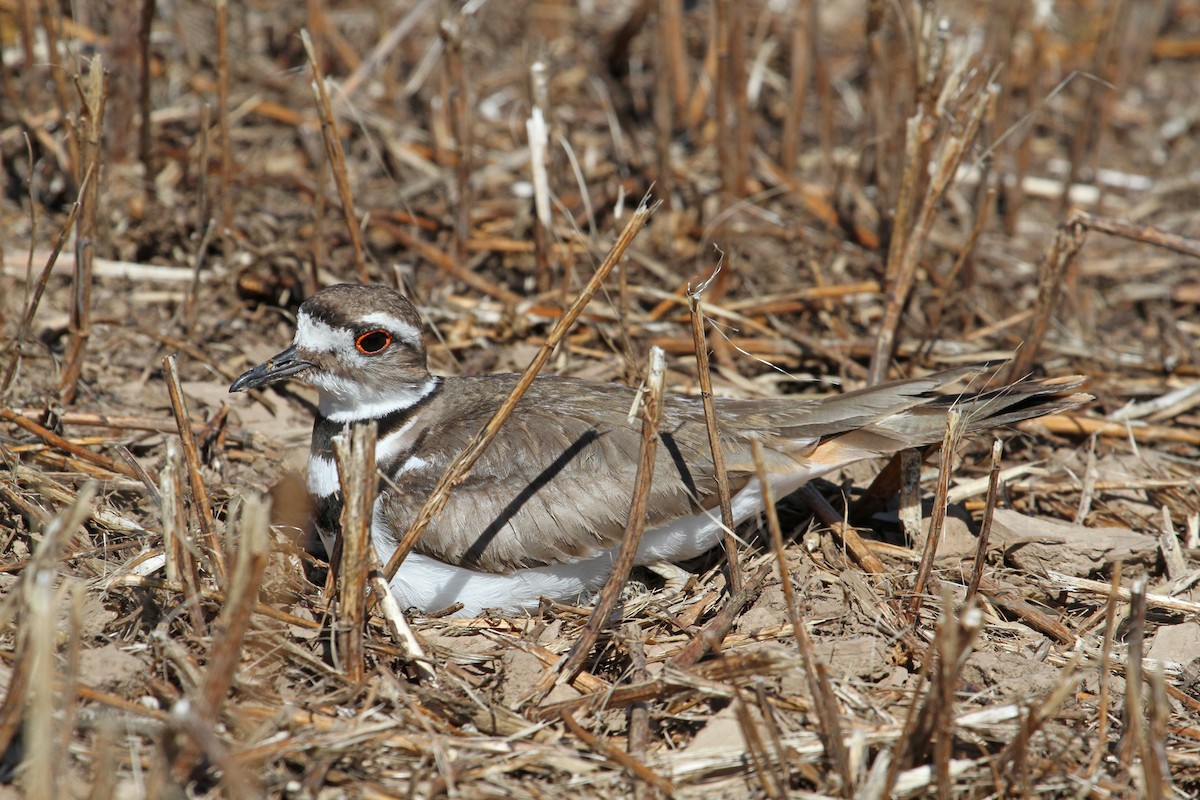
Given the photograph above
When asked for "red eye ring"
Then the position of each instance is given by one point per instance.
(373, 343)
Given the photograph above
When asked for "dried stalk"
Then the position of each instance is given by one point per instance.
(618, 756)
(195, 478)
(714, 437)
(180, 564)
(539, 157)
(198, 716)
(356, 475)
(54, 440)
(1054, 267)
(652, 409)
(337, 159)
(985, 528)
(39, 286)
(824, 702)
(93, 97)
(462, 463)
(458, 101)
(954, 431)
(913, 226)
(225, 184)
(1105, 677)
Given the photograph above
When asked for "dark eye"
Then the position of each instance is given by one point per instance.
(373, 342)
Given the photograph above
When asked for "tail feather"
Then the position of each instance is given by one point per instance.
(925, 424)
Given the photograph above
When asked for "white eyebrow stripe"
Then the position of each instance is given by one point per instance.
(315, 335)
(403, 330)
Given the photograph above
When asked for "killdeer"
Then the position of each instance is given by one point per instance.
(542, 512)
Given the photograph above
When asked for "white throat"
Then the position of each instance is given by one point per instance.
(342, 400)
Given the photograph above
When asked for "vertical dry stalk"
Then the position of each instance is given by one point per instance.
(639, 713)
(105, 758)
(1014, 758)
(177, 545)
(951, 644)
(93, 97)
(241, 597)
(356, 475)
(337, 159)
(1133, 714)
(225, 194)
(41, 758)
(171, 512)
(124, 54)
(669, 18)
(146, 140)
(913, 222)
(52, 24)
(726, 141)
(463, 462)
(754, 747)
(460, 118)
(743, 125)
(202, 215)
(539, 157)
(69, 693)
(803, 21)
(930, 720)
(1107, 69)
(36, 670)
(985, 528)
(910, 495)
(772, 726)
(189, 303)
(1104, 678)
(39, 287)
(195, 479)
(1155, 764)
(32, 83)
(954, 431)
(714, 438)
(1067, 243)
(824, 702)
(1024, 79)
(652, 407)
(673, 53)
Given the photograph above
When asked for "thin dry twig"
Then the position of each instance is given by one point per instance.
(652, 409)
(985, 528)
(954, 431)
(828, 715)
(93, 97)
(458, 468)
(714, 435)
(195, 477)
(337, 160)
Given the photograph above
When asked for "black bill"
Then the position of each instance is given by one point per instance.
(278, 367)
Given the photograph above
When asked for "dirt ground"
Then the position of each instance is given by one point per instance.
(888, 189)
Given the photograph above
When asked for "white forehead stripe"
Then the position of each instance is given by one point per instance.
(401, 329)
(315, 335)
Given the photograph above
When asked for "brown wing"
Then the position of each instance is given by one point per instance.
(557, 483)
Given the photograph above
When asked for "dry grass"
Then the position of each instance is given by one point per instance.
(885, 196)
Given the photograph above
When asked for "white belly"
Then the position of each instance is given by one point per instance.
(430, 585)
